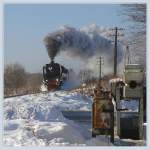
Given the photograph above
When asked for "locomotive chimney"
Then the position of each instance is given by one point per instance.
(52, 61)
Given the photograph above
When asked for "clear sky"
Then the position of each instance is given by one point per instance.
(27, 24)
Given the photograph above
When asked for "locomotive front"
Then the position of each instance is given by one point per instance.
(54, 74)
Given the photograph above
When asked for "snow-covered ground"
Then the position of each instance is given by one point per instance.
(37, 120)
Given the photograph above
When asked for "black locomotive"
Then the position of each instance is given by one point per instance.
(54, 75)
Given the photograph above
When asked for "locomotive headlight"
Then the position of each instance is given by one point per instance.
(132, 84)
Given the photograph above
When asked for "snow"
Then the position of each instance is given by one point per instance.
(43, 107)
(37, 120)
(130, 105)
(43, 88)
(115, 80)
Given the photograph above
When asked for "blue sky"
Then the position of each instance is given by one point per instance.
(27, 24)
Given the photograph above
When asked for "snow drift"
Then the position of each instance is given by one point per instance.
(36, 119)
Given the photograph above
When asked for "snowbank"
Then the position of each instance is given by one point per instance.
(45, 106)
(35, 133)
(36, 120)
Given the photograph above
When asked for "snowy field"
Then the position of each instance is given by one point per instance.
(37, 120)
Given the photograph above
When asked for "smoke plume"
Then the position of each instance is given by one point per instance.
(85, 43)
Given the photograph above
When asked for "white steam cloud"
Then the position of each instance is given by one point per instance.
(87, 43)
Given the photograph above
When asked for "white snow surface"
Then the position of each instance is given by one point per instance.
(130, 105)
(36, 120)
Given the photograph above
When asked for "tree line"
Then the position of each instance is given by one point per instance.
(18, 81)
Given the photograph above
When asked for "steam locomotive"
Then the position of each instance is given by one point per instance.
(54, 75)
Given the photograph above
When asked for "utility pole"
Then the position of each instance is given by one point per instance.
(116, 29)
(100, 63)
(115, 52)
(127, 54)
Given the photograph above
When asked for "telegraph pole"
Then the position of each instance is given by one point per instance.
(100, 63)
(116, 29)
(115, 52)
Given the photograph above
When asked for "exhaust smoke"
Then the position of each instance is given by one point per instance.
(85, 43)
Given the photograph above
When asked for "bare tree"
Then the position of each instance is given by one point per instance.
(135, 15)
(34, 81)
(14, 77)
(85, 75)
